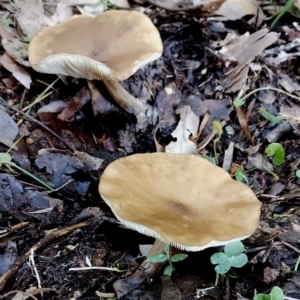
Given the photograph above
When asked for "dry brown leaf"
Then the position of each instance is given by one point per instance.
(13, 46)
(17, 70)
(187, 127)
(290, 113)
(243, 51)
(243, 123)
(289, 84)
(270, 274)
(30, 16)
(120, 3)
(8, 129)
(99, 103)
(237, 9)
(76, 103)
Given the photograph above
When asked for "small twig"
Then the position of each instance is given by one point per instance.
(60, 187)
(31, 259)
(96, 268)
(290, 246)
(41, 124)
(42, 243)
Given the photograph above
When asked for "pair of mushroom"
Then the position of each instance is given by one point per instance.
(183, 200)
(110, 48)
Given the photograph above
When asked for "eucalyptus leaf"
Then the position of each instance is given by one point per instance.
(157, 258)
(233, 248)
(178, 257)
(277, 152)
(238, 260)
(298, 173)
(168, 270)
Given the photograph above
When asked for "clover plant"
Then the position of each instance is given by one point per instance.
(276, 294)
(159, 258)
(276, 151)
(231, 257)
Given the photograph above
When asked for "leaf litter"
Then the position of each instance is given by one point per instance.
(205, 63)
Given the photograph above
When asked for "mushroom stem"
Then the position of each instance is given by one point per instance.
(124, 99)
(152, 269)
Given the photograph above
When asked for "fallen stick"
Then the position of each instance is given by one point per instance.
(43, 242)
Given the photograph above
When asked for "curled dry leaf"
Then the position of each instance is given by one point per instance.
(30, 16)
(76, 103)
(17, 70)
(187, 127)
(290, 113)
(243, 51)
(8, 129)
(236, 9)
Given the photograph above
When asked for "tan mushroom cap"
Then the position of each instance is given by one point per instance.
(112, 46)
(182, 200)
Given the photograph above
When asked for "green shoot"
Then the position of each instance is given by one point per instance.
(240, 175)
(269, 88)
(280, 216)
(210, 159)
(276, 151)
(231, 257)
(160, 258)
(276, 294)
(238, 102)
(297, 263)
(286, 7)
(264, 113)
(6, 159)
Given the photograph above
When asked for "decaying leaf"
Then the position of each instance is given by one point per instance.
(30, 16)
(187, 127)
(76, 103)
(243, 52)
(17, 70)
(290, 113)
(289, 84)
(8, 129)
(236, 9)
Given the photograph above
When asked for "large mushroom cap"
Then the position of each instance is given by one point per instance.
(183, 200)
(112, 46)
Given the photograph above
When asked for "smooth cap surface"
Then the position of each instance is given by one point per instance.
(112, 46)
(183, 200)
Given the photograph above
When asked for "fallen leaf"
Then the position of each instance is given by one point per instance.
(30, 16)
(120, 3)
(166, 102)
(236, 9)
(8, 129)
(53, 107)
(8, 258)
(243, 51)
(187, 127)
(289, 84)
(290, 113)
(270, 274)
(76, 103)
(17, 70)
